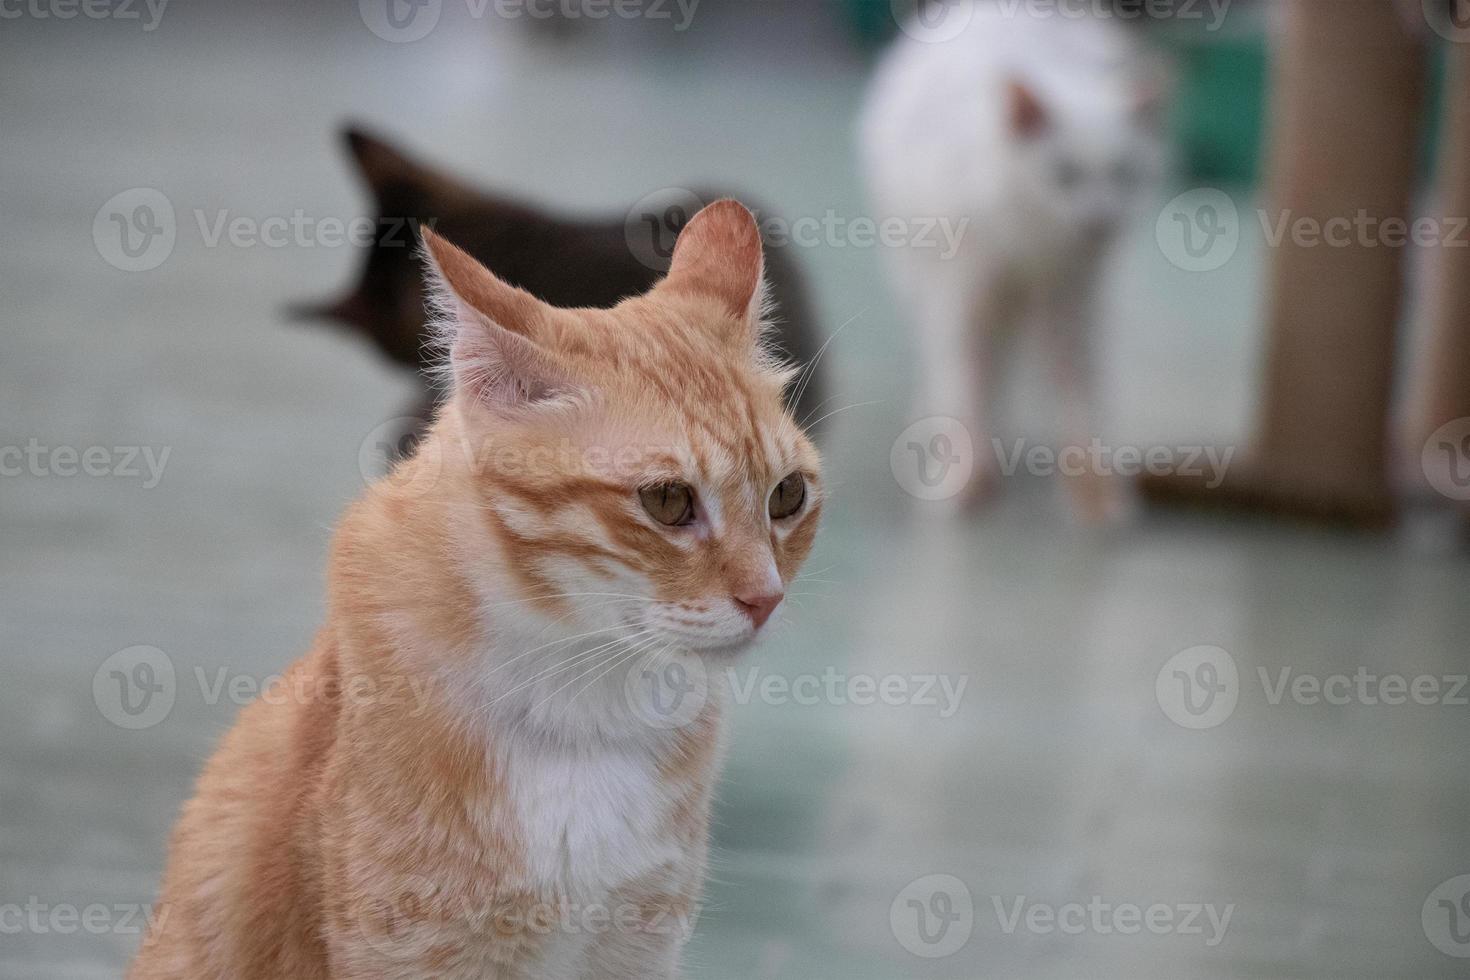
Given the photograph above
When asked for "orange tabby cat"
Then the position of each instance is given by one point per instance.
(497, 759)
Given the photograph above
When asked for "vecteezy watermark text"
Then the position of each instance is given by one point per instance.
(137, 688)
(653, 224)
(148, 12)
(1199, 688)
(123, 462)
(405, 21)
(394, 441)
(136, 230)
(41, 918)
(937, 21)
(934, 917)
(1098, 459)
(1212, 12)
(673, 692)
(941, 692)
(935, 458)
(1101, 917)
(418, 910)
(1201, 230)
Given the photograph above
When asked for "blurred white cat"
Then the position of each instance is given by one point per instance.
(1037, 131)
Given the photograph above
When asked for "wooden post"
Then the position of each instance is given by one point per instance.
(1348, 95)
(1444, 389)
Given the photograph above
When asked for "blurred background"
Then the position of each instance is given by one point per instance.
(177, 449)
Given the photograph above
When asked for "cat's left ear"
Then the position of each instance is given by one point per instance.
(1028, 118)
(719, 255)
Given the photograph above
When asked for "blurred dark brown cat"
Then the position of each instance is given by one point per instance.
(565, 262)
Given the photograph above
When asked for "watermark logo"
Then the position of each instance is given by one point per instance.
(135, 688)
(680, 13)
(390, 444)
(1450, 19)
(400, 21)
(135, 229)
(1124, 10)
(405, 21)
(1362, 229)
(933, 21)
(1198, 688)
(122, 462)
(393, 924)
(1446, 917)
(1364, 687)
(668, 692)
(933, 916)
(1101, 917)
(933, 459)
(418, 913)
(1199, 231)
(301, 230)
(940, 692)
(400, 452)
(1207, 463)
(1201, 688)
(89, 9)
(653, 224)
(1446, 459)
(41, 918)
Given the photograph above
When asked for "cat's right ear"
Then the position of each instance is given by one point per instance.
(490, 329)
(719, 254)
(1024, 111)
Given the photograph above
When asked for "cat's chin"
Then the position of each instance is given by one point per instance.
(729, 650)
(717, 647)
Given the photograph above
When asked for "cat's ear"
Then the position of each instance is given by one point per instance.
(490, 329)
(381, 163)
(719, 255)
(1151, 103)
(1024, 111)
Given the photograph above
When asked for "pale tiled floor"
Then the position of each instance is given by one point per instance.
(1058, 779)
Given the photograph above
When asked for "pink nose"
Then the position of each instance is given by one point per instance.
(759, 607)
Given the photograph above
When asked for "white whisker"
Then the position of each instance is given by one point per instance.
(569, 663)
(845, 408)
(810, 370)
(615, 659)
(565, 639)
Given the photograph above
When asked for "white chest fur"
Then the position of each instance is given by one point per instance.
(591, 820)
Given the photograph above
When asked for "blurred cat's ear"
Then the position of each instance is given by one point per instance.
(382, 164)
(1026, 114)
(719, 255)
(1150, 103)
(490, 330)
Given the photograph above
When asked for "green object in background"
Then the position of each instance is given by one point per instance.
(871, 20)
(1219, 115)
(1220, 112)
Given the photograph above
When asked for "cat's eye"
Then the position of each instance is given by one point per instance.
(669, 503)
(788, 497)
